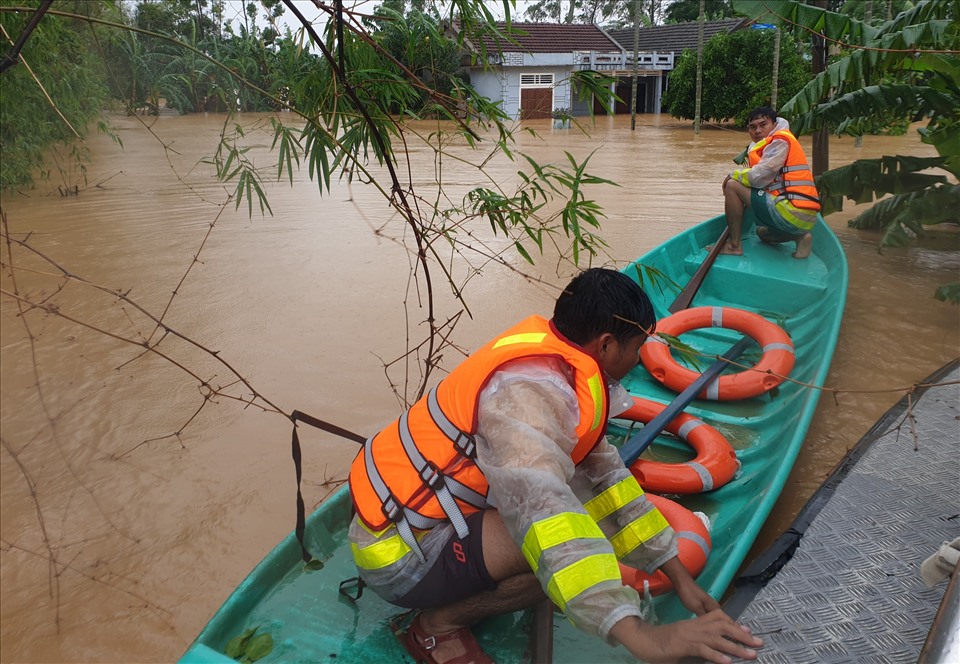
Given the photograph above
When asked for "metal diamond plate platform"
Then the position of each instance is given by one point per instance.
(852, 591)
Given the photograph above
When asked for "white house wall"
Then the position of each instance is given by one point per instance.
(502, 82)
(490, 84)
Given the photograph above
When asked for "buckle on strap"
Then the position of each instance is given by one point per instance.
(431, 476)
(467, 445)
(461, 440)
(391, 509)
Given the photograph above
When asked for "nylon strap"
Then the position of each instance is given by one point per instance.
(301, 510)
(794, 195)
(461, 440)
(389, 505)
(433, 478)
(297, 416)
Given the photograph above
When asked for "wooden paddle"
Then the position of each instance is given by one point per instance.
(686, 295)
(541, 638)
(633, 448)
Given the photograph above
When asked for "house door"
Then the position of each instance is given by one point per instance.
(624, 85)
(536, 103)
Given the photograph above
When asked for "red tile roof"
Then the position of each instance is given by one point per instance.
(552, 38)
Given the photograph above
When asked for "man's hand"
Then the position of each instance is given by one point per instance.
(714, 637)
(693, 597)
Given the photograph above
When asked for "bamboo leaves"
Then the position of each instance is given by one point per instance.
(232, 163)
(544, 184)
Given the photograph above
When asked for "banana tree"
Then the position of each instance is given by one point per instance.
(907, 67)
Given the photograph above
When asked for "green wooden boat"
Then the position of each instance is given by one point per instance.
(310, 621)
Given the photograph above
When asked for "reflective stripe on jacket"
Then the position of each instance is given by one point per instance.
(794, 182)
(419, 471)
(584, 573)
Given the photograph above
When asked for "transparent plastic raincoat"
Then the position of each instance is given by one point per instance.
(528, 414)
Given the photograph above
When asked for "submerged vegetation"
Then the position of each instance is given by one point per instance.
(50, 100)
(346, 90)
(336, 95)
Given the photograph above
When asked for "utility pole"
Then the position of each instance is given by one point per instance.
(636, 57)
(776, 67)
(821, 137)
(697, 119)
(867, 15)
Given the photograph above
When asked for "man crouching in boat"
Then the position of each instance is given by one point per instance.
(778, 185)
(500, 485)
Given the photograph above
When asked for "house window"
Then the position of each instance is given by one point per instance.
(536, 80)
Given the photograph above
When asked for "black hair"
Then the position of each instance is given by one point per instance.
(762, 112)
(601, 300)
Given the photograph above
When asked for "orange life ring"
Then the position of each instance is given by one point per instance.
(715, 464)
(693, 544)
(774, 366)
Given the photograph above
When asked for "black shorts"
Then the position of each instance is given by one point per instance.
(459, 572)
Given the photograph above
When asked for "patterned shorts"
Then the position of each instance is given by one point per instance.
(778, 228)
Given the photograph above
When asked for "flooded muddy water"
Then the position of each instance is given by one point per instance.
(134, 498)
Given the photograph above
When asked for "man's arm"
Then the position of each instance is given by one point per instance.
(764, 171)
(527, 424)
(602, 469)
(691, 595)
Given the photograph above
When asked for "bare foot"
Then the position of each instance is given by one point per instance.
(764, 234)
(731, 249)
(804, 244)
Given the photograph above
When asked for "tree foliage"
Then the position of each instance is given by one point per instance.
(685, 11)
(737, 71)
(50, 97)
(610, 13)
(416, 43)
(907, 67)
(349, 100)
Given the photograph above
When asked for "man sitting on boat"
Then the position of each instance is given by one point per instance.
(500, 486)
(778, 185)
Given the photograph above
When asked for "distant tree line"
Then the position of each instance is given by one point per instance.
(187, 56)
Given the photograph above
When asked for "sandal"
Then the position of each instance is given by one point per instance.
(421, 645)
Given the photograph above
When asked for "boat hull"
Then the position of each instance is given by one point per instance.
(310, 621)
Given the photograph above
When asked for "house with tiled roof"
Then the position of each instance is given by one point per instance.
(528, 71)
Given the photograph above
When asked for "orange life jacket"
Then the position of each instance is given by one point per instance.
(420, 470)
(794, 182)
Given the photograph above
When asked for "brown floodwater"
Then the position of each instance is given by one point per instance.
(115, 549)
